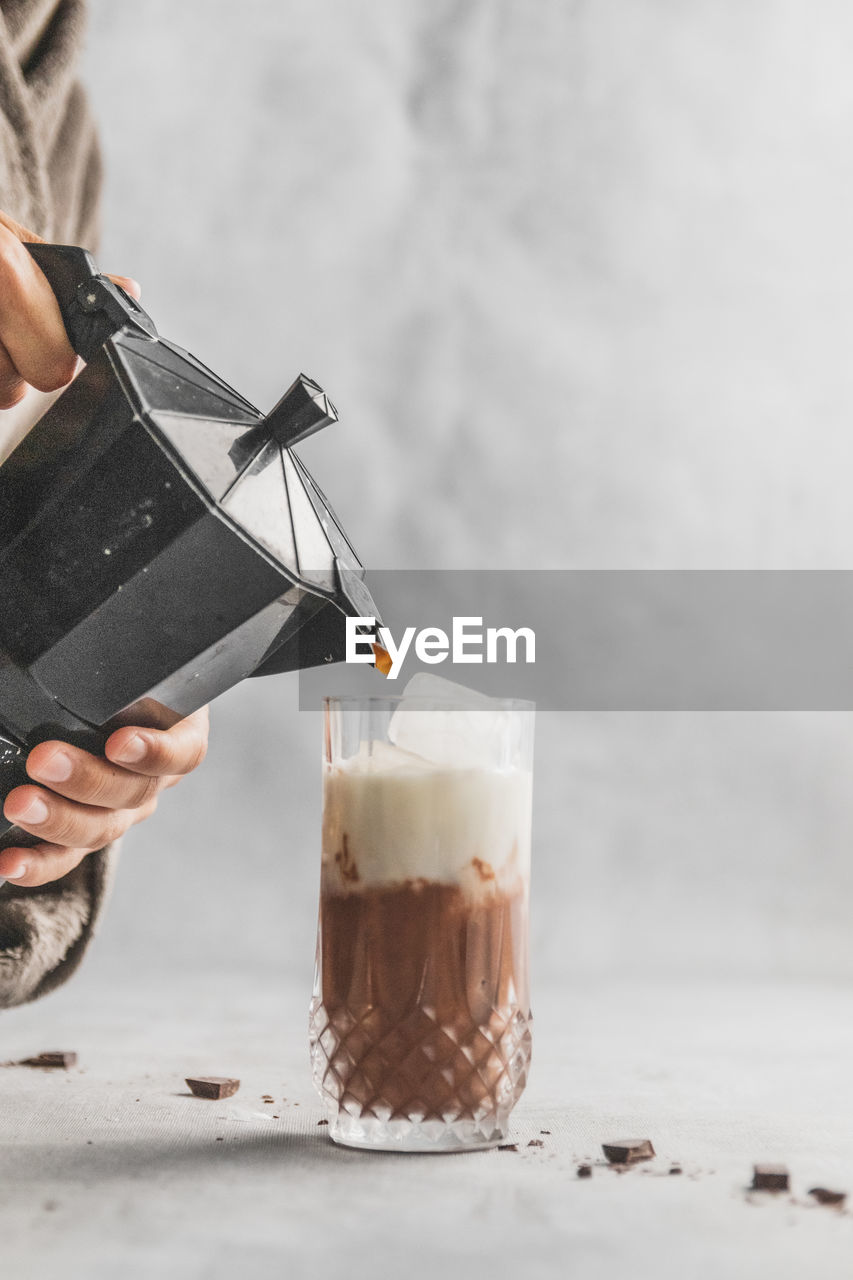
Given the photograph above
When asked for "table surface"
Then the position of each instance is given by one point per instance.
(112, 1168)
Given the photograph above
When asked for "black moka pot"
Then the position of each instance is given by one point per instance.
(159, 540)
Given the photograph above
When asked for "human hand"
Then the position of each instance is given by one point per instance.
(92, 801)
(34, 347)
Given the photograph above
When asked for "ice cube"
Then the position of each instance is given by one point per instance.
(455, 727)
(436, 689)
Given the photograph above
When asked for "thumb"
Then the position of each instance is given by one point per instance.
(129, 285)
(25, 236)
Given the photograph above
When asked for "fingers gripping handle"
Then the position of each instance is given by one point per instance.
(92, 306)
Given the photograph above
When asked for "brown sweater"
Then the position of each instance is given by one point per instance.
(50, 177)
(50, 171)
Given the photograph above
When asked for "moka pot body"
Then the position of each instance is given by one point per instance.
(159, 542)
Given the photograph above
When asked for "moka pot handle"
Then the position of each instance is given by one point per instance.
(92, 306)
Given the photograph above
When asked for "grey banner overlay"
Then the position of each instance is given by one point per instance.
(669, 640)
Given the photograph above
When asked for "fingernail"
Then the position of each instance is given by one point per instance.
(17, 872)
(132, 751)
(57, 768)
(34, 812)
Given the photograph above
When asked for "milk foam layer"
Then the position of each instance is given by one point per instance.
(391, 816)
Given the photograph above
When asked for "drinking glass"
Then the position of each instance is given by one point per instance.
(420, 1019)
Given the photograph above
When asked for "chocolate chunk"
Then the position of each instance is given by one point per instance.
(508, 1146)
(627, 1150)
(64, 1060)
(322, 1122)
(584, 1170)
(213, 1086)
(536, 1142)
(824, 1196)
(769, 1177)
(674, 1169)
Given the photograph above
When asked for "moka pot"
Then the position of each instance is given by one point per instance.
(159, 538)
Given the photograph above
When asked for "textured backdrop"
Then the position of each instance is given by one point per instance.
(578, 278)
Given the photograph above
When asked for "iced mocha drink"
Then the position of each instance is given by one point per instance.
(420, 1022)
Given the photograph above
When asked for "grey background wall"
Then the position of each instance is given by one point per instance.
(578, 276)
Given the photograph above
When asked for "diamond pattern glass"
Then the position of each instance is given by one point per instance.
(417, 1084)
(420, 1019)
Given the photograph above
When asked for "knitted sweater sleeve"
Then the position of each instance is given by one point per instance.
(49, 181)
(44, 932)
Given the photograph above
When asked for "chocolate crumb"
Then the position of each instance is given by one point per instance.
(220, 1139)
(347, 865)
(267, 1098)
(322, 1122)
(824, 1196)
(770, 1177)
(50, 1205)
(628, 1150)
(508, 1146)
(536, 1142)
(584, 1171)
(63, 1060)
(674, 1169)
(548, 1131)
(212, 1086)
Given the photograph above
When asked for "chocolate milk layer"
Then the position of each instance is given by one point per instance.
(424, 989)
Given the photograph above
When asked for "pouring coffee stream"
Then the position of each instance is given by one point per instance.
(159, 539)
